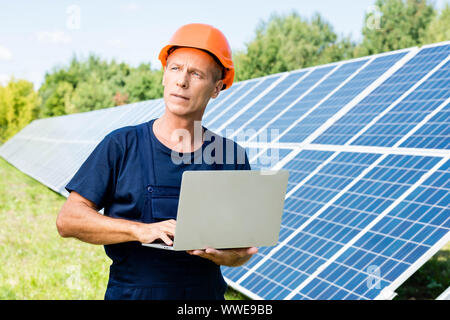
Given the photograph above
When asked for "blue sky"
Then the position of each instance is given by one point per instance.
(36, 36)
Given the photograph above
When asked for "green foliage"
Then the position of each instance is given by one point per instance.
(36, 262)
(287, 42)
(439, 28)
(402, 24)
(18, 104)
(92, 94)
(430, 280)
(96, 84)
(144, 84)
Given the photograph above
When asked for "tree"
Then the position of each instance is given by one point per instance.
(94, 83)
(93, 94)
(288, 42)
(401, 24)
(439, 28)
(144, 84)
(18, 101)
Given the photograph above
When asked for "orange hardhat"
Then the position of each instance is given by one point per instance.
(204, 37)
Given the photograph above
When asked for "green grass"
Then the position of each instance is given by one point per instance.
(38, 264)
(430, 280)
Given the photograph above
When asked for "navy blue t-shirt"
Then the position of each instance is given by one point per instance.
(112, 176)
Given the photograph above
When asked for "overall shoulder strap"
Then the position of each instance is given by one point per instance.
(145, 150)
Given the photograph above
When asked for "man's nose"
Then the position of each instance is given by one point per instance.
(183, 80)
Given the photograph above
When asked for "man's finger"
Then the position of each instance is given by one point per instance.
(213, 251)
(166, 239)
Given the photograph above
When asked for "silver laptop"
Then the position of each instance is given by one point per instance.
(228, 209)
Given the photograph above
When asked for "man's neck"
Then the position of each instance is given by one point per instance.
(177, 133)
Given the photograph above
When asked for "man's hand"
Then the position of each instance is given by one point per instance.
(226, 257)
(149, 232)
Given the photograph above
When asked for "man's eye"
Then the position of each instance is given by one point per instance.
(196, 74)
(174, 68)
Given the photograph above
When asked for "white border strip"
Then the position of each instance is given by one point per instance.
(444, 295)
(438, 44)
(352, 148)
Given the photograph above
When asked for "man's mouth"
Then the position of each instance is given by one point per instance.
(179, 96)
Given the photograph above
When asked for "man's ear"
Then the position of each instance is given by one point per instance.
(217, 89)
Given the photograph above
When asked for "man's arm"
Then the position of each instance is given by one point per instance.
(79, 218)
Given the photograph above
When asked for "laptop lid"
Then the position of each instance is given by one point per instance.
(230, 209)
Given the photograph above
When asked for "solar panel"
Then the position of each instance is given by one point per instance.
(386, 94)
(402, 235)
(254, 93)
(366, 144)
(323, 110)
(397, 120)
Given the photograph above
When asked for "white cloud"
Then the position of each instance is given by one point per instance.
(130, 7)
(35, 77)
(115, 43)
(4, 79)
(55, 37)
(5, 54)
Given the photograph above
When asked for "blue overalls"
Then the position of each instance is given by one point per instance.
(139, 272)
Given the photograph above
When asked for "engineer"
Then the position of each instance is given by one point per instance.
(134, 173)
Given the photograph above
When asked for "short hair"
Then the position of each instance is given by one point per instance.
(218, 73)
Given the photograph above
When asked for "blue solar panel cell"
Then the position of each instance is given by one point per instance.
(223, 96)
(340, 98)
(434, 134)
(384, 95)
(409, 112)
(398, 240)
(276, 92)
(262, 158)
(236, 92)
(252, 94)
(282, 113)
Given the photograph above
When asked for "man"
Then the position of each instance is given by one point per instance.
(133, 176)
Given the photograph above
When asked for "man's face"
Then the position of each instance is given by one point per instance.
(189, 82)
